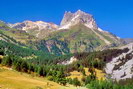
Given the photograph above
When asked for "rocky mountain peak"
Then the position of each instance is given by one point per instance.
(71, 19)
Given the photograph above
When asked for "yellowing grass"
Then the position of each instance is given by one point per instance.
(75, 74)
(99, 74)
(14, 80)
(10, 79)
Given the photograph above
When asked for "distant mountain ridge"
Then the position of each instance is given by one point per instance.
(128, 40)
(35, 28)
(69, 20)
(78, 32)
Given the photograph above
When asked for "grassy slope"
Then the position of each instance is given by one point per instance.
(10, 79)
(76, 33)
(79, 38)
(15, 80)
(19, 36)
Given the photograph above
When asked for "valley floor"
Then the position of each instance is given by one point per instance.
(10, 79)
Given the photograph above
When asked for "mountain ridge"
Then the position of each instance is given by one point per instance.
(78, 32)
(69, 19)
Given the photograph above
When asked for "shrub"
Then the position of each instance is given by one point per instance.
(107, 85)
(76, 82)
(50, 78)
(7, 60)
(69, 80)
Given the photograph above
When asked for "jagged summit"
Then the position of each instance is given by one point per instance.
(79, 16)
(82, 12)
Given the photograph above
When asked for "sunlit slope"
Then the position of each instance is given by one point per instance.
(78, 38)
(10, 79)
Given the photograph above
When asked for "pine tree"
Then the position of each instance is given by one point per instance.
(24, 66)
(7, 61)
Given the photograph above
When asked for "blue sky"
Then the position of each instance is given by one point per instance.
(115, 16)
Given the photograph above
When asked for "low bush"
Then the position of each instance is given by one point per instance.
(107, 85)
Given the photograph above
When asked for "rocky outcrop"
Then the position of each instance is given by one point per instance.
(121, 67)
(71, 19)
(72, 60)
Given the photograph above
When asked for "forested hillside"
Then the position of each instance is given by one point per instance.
(36, 63)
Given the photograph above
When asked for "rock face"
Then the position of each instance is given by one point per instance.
(72, 60)
(35, 28)
(71, 19)
(121, 67)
